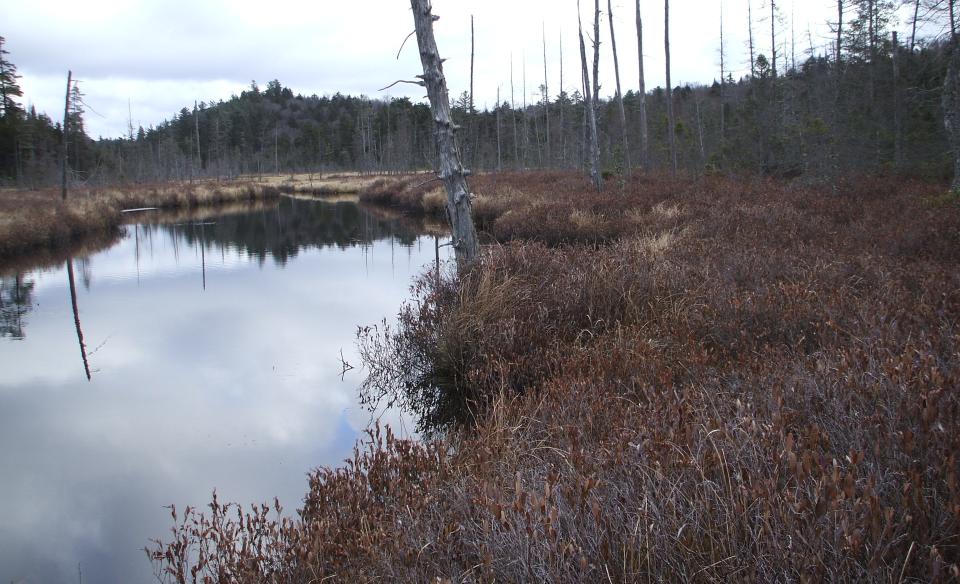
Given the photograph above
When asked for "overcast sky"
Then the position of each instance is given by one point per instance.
(155, 57)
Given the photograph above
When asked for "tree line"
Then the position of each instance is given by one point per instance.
(872, 101)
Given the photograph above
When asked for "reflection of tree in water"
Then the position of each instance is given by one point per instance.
(295, 225)
(16, 301)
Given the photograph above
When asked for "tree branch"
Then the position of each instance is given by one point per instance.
(420, 83)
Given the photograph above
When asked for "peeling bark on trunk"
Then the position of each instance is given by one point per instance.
(452, 172)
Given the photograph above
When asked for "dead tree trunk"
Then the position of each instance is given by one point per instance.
(723, 90)
(644, 141)
(897, 123)
(671, 120)
(546, 100)
(561, 105)
(913, 32)
(63, 135)
(596, 54)
(951, 111)
(196, 130)
(452, 172)
(499, 155)
(472, 52)
(753, 61)
(839, 35)
(591, 112)
(616, 71)
(513, 118)
(773, 38)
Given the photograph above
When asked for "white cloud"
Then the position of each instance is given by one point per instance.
(162, 56)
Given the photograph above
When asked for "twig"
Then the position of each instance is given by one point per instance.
(346, 366)
(420, 83)
(404, 43)
(436, 179)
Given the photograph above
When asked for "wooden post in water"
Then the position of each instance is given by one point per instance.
(452, 172)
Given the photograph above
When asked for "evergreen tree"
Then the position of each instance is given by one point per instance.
(9, 88)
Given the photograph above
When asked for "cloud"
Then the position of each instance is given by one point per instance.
(162, 56)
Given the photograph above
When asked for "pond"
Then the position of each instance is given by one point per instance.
(212, 357)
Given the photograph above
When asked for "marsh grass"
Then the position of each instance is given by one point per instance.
(711, 381)
(31, 221)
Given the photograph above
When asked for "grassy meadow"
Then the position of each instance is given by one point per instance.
(675, 380)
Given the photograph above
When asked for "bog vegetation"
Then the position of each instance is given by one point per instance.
(676, 380)
(680, 375)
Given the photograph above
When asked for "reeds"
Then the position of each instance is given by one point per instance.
(681, 381)
(34, 220)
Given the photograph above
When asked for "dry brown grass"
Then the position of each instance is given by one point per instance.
(33, 220)
(320, 185)
(711, 381)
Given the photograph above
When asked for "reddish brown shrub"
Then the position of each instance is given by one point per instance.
(695, 381)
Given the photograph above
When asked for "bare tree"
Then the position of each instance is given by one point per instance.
(546, 97)
(723, 87)
(513, 117)
(562, 106)
(913, 32)
(591, 114)
(951, 111)
(773, 38)
(472, 53)
(499, 156)
(452, 172)
(644, 141)
(753, 60)
(596, 54)
(671, 120)
(63, 136)
(196, 130)
(616, 70)
(839, 48)
(897, 124)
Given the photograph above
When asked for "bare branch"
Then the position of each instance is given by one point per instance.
(404, 43)
(420, 83)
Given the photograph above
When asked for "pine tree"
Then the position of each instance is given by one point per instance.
(9, 89)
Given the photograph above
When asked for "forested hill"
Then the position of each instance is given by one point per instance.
(868, 111)
(272, 130)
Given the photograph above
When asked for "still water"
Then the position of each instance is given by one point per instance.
(213, 345)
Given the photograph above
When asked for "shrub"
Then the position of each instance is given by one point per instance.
(695, 381)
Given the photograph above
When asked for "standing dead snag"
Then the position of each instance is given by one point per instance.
(589, 106)
(63, 136)
(452, 172)
(951, 110)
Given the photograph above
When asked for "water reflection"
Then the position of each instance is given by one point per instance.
(290, 227)
(16, 300)
(236, 387)
(76, 316)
